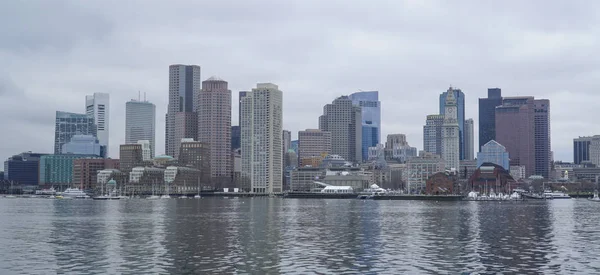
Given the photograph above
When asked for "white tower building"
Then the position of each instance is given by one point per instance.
(140, 124)
(261, 127)
(450, 133)
(98, 106)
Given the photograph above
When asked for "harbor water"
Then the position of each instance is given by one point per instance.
(276, 235)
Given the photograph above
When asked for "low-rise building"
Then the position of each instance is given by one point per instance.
(420, 168)
(302, 179)
(58, 169)
(85, 171)
(442, 183)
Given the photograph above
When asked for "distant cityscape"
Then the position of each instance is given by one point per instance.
(203, 151)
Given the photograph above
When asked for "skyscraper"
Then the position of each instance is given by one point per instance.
(371, 119)
(70, 124)
(469, 140)
(236, 136)
(140, 123)
(432, 134)
(214, 127)
(287, 140)
(487, 116)
(241, 95)
(98, 106)
(451, 133)
(515, 129)
(262, 168)
(343, 120)
(543, 151)
(459, 97)
(181, 120)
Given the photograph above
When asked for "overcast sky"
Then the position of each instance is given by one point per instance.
(53, 53)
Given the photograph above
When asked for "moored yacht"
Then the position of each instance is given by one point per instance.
(75, 193)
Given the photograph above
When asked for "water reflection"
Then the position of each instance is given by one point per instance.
(271, 235)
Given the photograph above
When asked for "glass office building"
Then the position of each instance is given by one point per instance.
(371, 119)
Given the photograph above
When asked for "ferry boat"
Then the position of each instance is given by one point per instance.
(556, 195)
(46, 192)
(75, 193)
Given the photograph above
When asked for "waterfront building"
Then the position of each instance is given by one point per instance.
(302, 179)
(236, 136)
(493, 152)
(237, 170)
(152, 177)
(313, 143)
(70, 124)
(491, 178)
(469, 140)
(442, 183)
(58, 169)
(370, 106)
(347, 176)
(23, 168)
(451, 133)
(594, 151)
(98, 107)
(467, 168)
(85, 171)
(261, 127)
(458, 106)
(432, 134)
(420, 168)
(130, 155)
(214, 128)
(181, 119)
(197, 155)
(184, 180)
(83, 145)
(140, 124)
(487, 116)
(344, 121)
(515, 129)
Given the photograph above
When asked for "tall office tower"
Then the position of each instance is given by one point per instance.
(515, 129)
(432, 134)
(451, 133)
(186, 128)
(313, 143)
(487, 116)
(581, 149)
(140, 123)
(184, 87)
(542, 137)
(469, 135)
(287, 140)
(214, 127)
(459, 97)
(98, 106)
(371, 119)
(344, 121)
(241, 95)
(70, 124)
(262, 168)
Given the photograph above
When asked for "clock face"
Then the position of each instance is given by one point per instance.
(450, 110)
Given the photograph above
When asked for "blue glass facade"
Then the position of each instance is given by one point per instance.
(294, 145)
(460, 112)
(493, 152)
(371, 118)
(236, 137)
(83, 145)
(23, 168)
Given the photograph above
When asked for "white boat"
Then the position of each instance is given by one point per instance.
(197, 197)
(165, 197)
(75, 193)
(556, 195)
(105, 197)
(153, 197)
(50, 192)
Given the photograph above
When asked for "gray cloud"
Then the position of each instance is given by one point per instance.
(54, 53)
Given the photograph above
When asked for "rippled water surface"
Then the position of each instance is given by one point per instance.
(273, 235)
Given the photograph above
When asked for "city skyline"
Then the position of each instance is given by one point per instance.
(122, 72)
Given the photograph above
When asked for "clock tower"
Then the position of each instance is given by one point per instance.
(450, 133)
